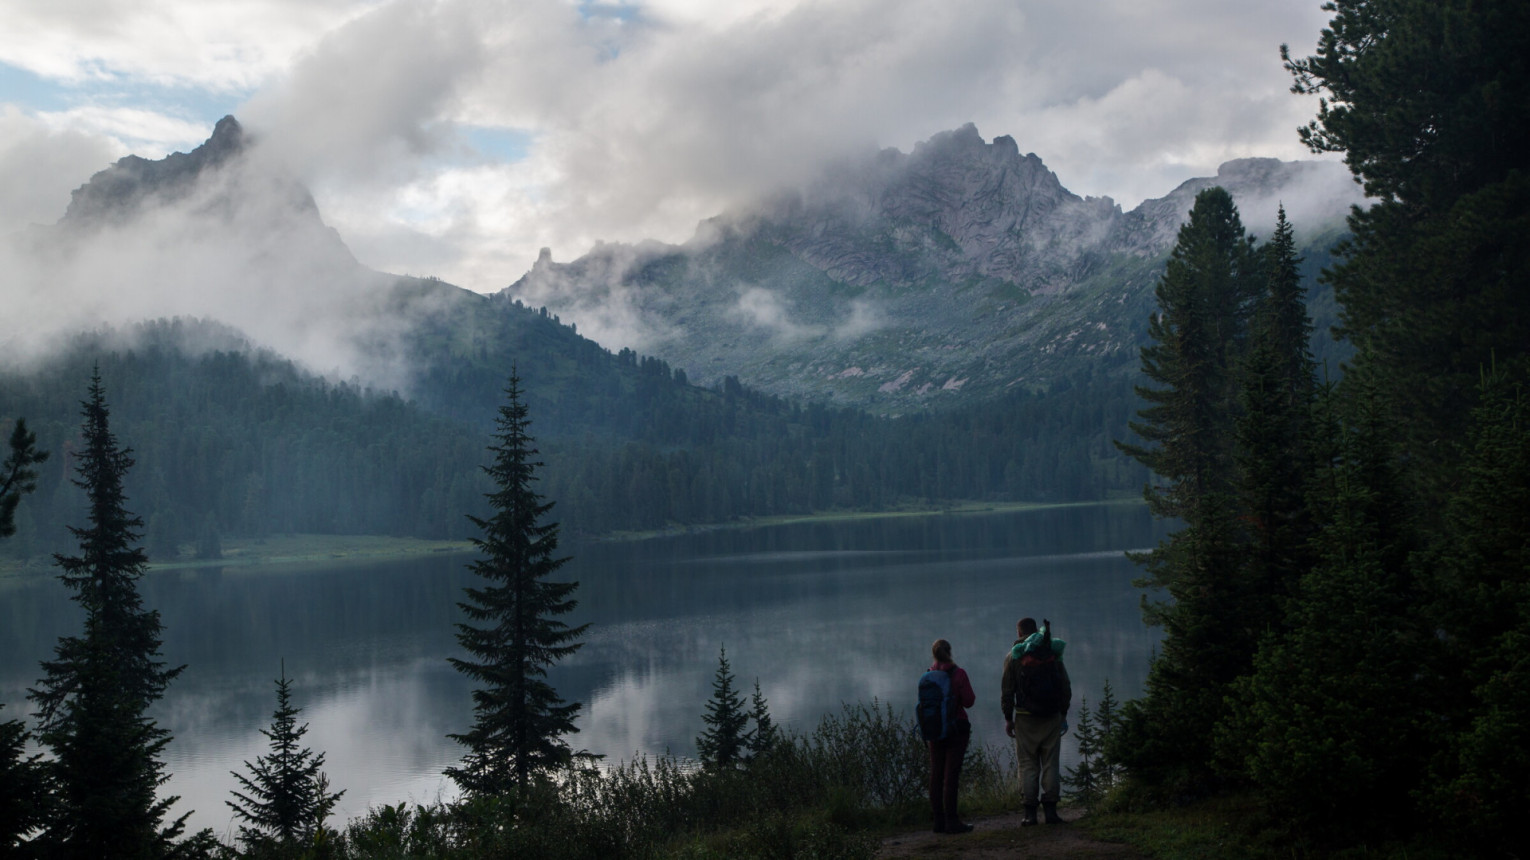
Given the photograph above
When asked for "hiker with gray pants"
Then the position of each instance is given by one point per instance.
(1035, 695)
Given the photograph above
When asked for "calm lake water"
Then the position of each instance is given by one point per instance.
(820, 614)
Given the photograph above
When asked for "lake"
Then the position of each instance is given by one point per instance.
(820, 613)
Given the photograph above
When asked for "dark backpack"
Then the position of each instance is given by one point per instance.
(937, 705)
(1040, 678)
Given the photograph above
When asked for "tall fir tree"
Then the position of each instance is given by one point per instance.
(95, 694)
(1430, 104)
(724, 742)
(520, 721)
(1278, 387)
(24, 790)
(1331, 719)
(286, 797)
(1481, 575)
(1200, 333)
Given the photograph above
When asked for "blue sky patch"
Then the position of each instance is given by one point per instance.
(34, 93)
(497, 143)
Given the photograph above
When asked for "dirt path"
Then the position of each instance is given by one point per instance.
(1001, 836)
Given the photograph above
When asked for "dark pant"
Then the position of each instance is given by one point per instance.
(946, 771)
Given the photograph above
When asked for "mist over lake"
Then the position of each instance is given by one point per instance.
(821, 613)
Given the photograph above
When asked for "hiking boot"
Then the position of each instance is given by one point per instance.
(1051, 812)
(958, 827)
(1030, 815)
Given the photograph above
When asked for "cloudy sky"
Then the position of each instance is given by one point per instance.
(456, 137)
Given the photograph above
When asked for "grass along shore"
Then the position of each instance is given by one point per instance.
(316, 548)
(949, 509)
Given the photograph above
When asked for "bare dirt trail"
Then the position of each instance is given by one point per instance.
(1001, 836)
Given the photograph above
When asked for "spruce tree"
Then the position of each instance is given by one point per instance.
(24, 788)
(1332, 720)
(1273, 451)
(1083, 777)
(764, 736)
(725, 741)
(94, 696)
(286, 796)
(1430, 104)
(1482, 585)
(1106, 718)
(519, 719)
(17, 477)
(1200, 331)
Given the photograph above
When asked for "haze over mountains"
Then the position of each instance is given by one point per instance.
(900, 281)
(913, 280)
(961, 279)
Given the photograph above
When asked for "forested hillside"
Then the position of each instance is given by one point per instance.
(1348, 595)
(232, 441)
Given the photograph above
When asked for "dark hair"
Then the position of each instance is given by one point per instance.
(941, 651)
(1027, 626)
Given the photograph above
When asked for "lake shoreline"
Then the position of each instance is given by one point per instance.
(311, 549)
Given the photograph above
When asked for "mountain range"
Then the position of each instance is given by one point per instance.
(906, 281)
(949, 323)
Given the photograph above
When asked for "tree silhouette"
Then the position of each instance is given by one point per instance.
(520, 720)
(724, 742)
(95, 694)
(286, 796)
(17, 477)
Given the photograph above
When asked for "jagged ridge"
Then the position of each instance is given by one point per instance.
(907, 280)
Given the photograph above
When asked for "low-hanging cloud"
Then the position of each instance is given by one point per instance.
(241, 246)
(637, 119)
(40, 167)
(640, 125)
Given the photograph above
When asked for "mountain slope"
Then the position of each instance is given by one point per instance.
(923, 280)
(253, 366)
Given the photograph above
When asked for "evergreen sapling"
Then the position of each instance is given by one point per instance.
(764, 736)
(724, 743)
(286, 796)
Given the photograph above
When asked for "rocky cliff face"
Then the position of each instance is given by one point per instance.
(913, 280)
(222, 233)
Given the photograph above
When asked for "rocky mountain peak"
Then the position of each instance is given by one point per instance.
(122, 188)
(962, 268)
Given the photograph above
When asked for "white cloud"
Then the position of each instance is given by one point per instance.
(145, 133)
(40, 166)
(228, 45)
(642, 122)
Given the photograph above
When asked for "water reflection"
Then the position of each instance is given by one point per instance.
(819, 613)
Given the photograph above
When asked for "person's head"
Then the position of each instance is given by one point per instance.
(1025, 627)
(941, 650)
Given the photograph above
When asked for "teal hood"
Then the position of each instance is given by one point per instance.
(1033, 641)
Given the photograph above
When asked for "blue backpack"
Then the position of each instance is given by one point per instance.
(936, 711)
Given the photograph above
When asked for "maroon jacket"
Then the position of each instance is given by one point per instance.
(961, 687)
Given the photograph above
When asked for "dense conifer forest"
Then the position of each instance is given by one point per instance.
(1349, 593)
(234, 442)
(1346, 597)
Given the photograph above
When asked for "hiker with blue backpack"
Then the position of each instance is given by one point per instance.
(945, 694)
(1035, 696)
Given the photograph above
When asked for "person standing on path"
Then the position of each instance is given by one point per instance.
(947, 753)
(1035, 695)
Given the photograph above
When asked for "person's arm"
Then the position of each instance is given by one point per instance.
(1007, 697)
